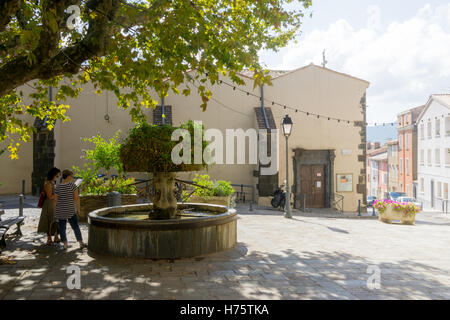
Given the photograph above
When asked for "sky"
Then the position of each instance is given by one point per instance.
(401, 47)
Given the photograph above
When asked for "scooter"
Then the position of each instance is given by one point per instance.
(279, 198)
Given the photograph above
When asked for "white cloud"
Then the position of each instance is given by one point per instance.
(405, 62)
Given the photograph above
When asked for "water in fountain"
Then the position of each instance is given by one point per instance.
(188, 213)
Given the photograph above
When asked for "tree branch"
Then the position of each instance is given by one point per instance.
(23, 23)
(13, 44)
(50, 59)
(7, 10)
(143, 15)
(52, 16)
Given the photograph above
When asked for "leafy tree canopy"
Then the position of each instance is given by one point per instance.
(148, 148)
(128, 47)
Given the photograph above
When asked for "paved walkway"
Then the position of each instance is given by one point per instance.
(275, 258)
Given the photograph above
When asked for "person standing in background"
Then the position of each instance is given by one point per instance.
(68, 208)
(47, 223)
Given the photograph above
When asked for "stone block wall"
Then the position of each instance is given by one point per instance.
(43, 155)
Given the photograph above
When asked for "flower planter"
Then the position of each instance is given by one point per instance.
(222, 201)
(390, 214)
(92, 203)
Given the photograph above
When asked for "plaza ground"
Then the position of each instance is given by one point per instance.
(308, 257)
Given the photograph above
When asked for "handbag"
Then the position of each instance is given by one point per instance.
(42, 198)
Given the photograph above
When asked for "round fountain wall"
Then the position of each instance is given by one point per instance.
(126, 231)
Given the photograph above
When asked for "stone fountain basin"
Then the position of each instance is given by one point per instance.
(162, 239)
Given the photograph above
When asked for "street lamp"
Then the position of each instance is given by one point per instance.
(287, 128)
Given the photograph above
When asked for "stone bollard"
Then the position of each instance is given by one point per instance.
(114, 199)
(23, 188)
(21, 205)
(359, 208)
(304, 202)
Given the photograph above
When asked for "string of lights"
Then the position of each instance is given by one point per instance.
(271, 102)
(298, 110)
(29, 85)
(284, 106)
(436, 117)
(224, 105)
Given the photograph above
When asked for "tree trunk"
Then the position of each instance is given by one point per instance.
(164, 201)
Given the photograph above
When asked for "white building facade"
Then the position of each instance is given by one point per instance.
(374, 178)
(434, 153)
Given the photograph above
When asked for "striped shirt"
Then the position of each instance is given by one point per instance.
(65, 206)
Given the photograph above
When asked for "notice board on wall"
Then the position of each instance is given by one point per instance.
(344, 182)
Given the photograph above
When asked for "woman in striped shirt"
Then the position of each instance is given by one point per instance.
(68, 208)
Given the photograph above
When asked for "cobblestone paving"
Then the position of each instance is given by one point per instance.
(275, 258)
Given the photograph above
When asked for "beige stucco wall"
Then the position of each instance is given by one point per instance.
(324, 92)
(228, 110)
(312, 89)
(12, 172)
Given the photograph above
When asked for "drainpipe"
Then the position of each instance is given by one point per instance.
(262, 107)
(163, 120)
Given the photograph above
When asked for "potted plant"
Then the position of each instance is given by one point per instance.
(150, 148)
(208, 191)
(389, 210)
(93, 191)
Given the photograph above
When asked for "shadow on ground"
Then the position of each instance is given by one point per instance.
(234, 274)
(12, 202)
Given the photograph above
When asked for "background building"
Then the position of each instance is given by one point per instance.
(407, 150)
(378, 178)
(392, 163)
(321, 149)
(434, 152)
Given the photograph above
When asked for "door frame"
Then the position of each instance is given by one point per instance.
(314, 157)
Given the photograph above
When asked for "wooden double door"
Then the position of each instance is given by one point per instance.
(312, 183)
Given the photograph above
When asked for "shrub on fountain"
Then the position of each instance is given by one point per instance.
(103, 158)
(208, 190)
(149, 148)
